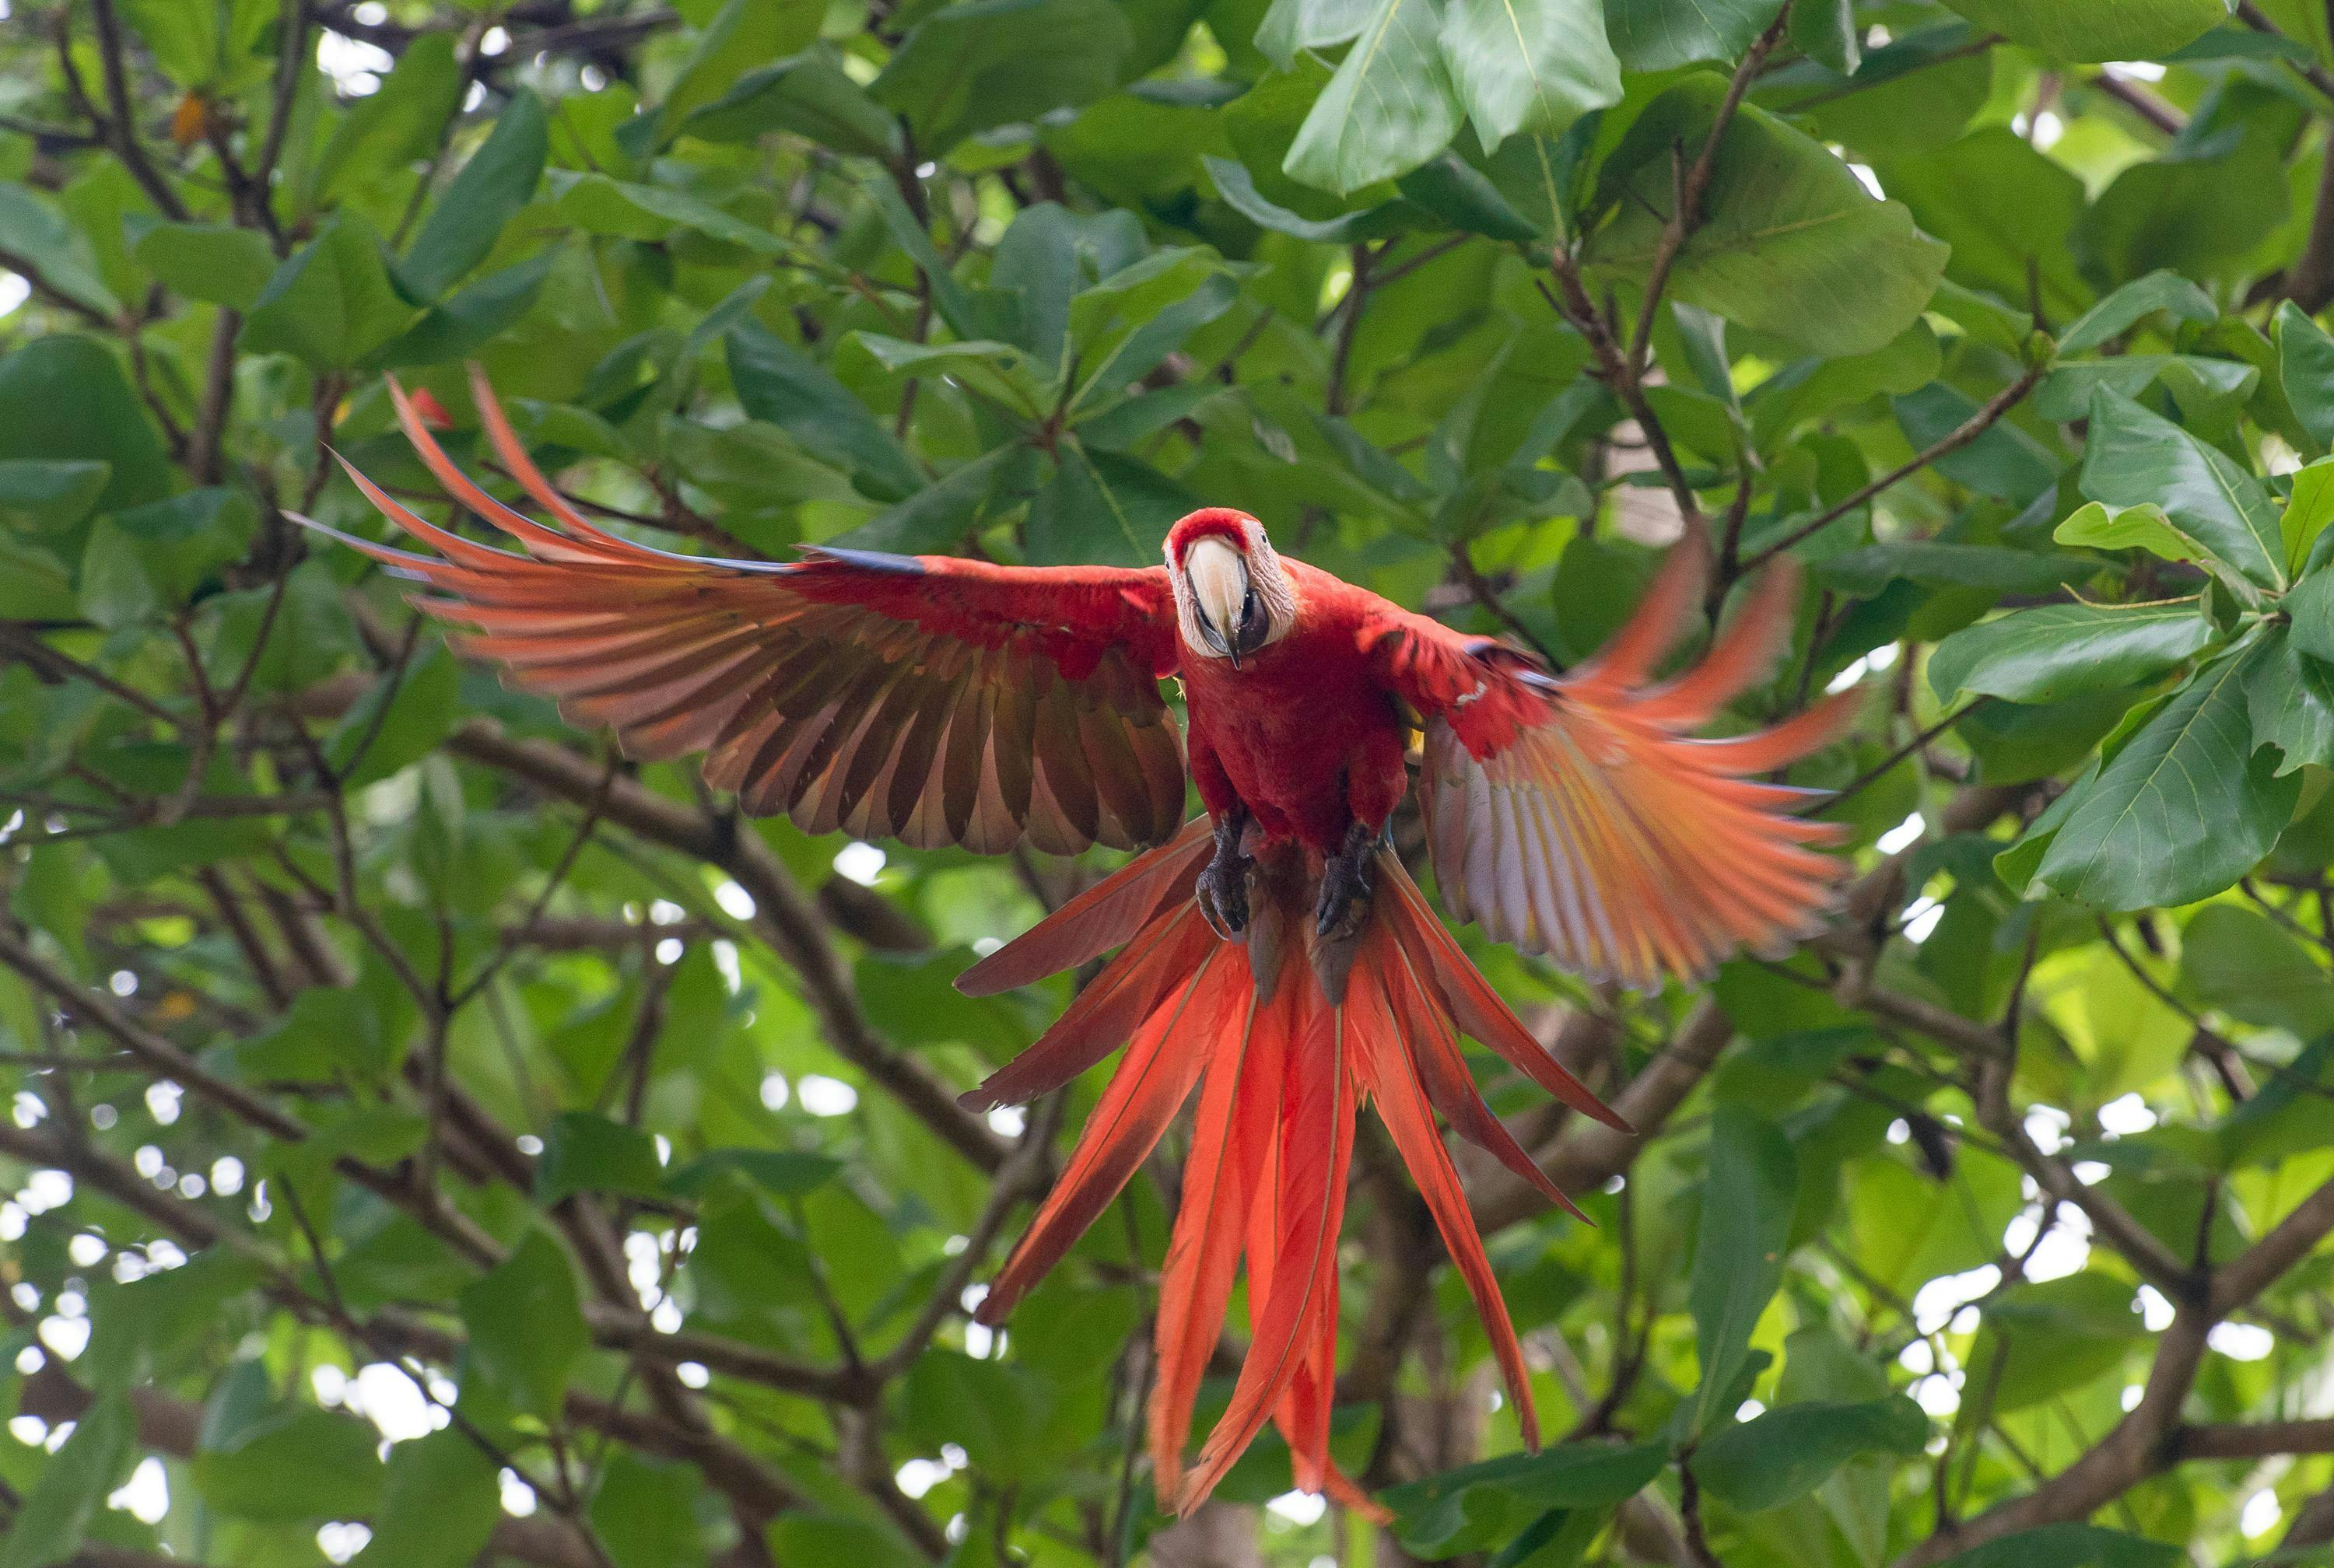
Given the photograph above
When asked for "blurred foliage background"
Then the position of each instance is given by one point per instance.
(435, 1140)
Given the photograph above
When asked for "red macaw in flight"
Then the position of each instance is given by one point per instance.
(1284, 963)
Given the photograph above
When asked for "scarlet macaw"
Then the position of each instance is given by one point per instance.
(1284, 963)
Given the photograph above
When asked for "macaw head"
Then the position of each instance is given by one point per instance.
(1232, 595)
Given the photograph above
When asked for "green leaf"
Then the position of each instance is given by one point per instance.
(368, 745)
(742, 36)
(2290, 698)
(212, 262)
(2305, 366)
(2188, 213)
(2005, 462)
(1747, 1202)
(290, 1465)
(499, 180)
(600, 205)
(2311, 607)
(1237, 186)
(1785, 1454)
(936, 517)
(2142, 527)
(2184, 810)
(150, 559)
(453, 328)
(2090, 31)
(1476, 1506)
(1790, 241)
(982, 64)
(55, 1517)
(1003, 373)
(1827, 31)
(439, 1501)
(995, 1410)
(1388, 109)
(2244, 964)
(401, 122)
(589, 1153)
(183, 36)
(2306, 513)
(330, 302)
(45, 498)
(1992, 566)
(1518, 66)
(1104, 507)
(2134, 303)
(1954, 190)
(644, 1513)
(776, 382)
(780, 1172)
(526, 1326)
(34, 232)
(63, 398)
(2070, 1546)
(2139, 459)
(1659, 34)
(809, 95)
(2057, 651)
(2039, 1341)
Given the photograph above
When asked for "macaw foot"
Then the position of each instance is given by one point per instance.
(1348, 879)
(1222, 888)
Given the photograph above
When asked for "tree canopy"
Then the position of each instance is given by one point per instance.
(437, 1140)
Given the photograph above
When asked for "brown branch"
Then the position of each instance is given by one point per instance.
(121, 128)
(1692, 186)
(785, 918)
(1969, 430)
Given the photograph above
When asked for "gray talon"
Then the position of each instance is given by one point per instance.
(1348, 879)
(1222, 888)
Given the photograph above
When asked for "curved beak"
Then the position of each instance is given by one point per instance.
(1220, 594)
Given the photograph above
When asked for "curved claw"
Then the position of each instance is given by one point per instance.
(1348, 877)
(1204, 895)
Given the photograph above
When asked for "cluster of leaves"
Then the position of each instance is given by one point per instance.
(435, 1140)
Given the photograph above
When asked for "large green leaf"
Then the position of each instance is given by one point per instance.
(2305, 359)
(2244, 964)
(1476, 1506)
(2290, 696)
(979, 63)
(1389, 108)
(497, 181)
(63, 398)
(54, 1519)
(1784, 1454)
(778, 382)
(331, 303)
(1657, 34)
(1529, 65)
(525, 1325)
(2139, 459)
(2095, 30)
(400, 122)
(36, 235)
(1747, 1202)
(2057, 651)
(216, 263)
(439, 1503)
(1790, 241)
(2185, 809)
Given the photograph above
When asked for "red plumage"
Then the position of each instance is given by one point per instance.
(951, 701)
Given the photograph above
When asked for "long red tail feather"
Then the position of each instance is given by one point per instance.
(1281, 1070)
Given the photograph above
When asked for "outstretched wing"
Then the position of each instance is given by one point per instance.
(936, 701)
(1579, 817)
